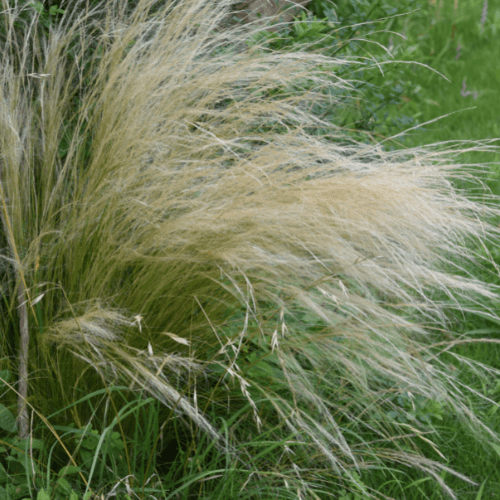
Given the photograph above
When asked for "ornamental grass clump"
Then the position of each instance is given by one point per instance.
(161, 239)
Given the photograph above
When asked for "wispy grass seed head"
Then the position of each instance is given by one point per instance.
(180, 196)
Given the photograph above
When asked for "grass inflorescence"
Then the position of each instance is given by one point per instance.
(213, 292)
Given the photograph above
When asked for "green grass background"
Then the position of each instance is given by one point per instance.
(433, 36)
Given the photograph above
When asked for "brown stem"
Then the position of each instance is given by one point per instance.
(22, 416)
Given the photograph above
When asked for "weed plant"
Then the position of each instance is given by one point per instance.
(215, 293)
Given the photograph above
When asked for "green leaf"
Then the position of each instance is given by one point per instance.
(3, 474)
(91, 440)
(426, 419)
(496, 448)
(7, 420)
(5, 376)
(86, 455)
(37, 444)
(69, 469)
(65, 486)
(38, 6)
(54, 10)
(42, 495)
(480, 492)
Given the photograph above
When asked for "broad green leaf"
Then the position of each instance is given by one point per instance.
(69, 469)
(7, 420)
(42, 495)
(65, 486)
(4, 376)
(37, 444)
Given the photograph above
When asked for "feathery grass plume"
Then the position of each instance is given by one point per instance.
(136, 172)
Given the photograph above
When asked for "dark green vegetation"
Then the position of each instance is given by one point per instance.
(186, 278)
